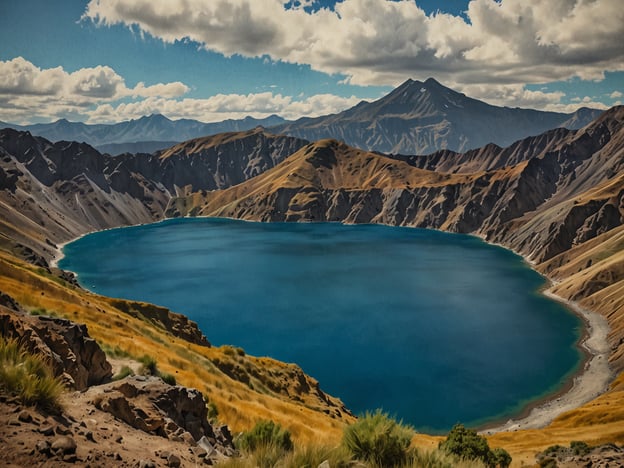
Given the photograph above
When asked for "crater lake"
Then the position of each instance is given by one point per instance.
(434, 328)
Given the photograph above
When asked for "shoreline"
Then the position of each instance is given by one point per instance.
(589, 381)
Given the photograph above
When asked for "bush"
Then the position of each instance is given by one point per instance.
(265, 434)
(168, 378)
(501, 457)
(548, 462)
(28, 376)
(379, 439)
(467, 444)
(213, 412)
(149, 365)
(579, 448)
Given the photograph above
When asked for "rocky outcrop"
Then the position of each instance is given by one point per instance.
(73, 354)
(146, 404)
(177, 324)
(153, 406)
(85, 435)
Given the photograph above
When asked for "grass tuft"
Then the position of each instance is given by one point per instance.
(124, 372)
(28, 376)
(378, 439)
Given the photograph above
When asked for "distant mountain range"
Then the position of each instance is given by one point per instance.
(415, 118)
(144, 135)
(422, 117)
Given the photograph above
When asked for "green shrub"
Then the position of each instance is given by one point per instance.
(501, 457)
(265, 434)
(28, 376)
(167, 378)
(579, 448)
(548, 462)
(124, 372)
(213, 412)
(467, 444)
(149, 365)
(379, 439)
(553, 449)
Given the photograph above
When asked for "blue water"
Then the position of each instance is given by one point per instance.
(434, 328)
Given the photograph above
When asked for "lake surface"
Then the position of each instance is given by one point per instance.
(434, 328)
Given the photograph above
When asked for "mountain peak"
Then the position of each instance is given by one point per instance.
(155, 118)
(433, 82)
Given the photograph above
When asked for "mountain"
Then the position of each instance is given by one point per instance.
(422, 117)
(147, 134)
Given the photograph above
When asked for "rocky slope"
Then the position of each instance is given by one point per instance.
(422, 117)
(135, 421)
(53, 192)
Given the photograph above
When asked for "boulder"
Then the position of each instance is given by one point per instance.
(171, 411)
(74, 355)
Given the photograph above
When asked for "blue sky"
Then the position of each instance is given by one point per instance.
(112, 60)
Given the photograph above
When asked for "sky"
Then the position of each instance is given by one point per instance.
(104, 61)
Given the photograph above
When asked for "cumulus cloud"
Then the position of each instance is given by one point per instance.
(27, 91)
(100, 95)
(616, 94)
(224, 106)
(502, 42)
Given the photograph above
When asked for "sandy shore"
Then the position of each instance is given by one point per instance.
(591, 381)
(58, 255)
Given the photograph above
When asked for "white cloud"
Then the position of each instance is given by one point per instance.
(28, 92)
(100, 95)
(19, 76)
(383, 42)
(616, 94)
(513, 95)
(224, 106)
